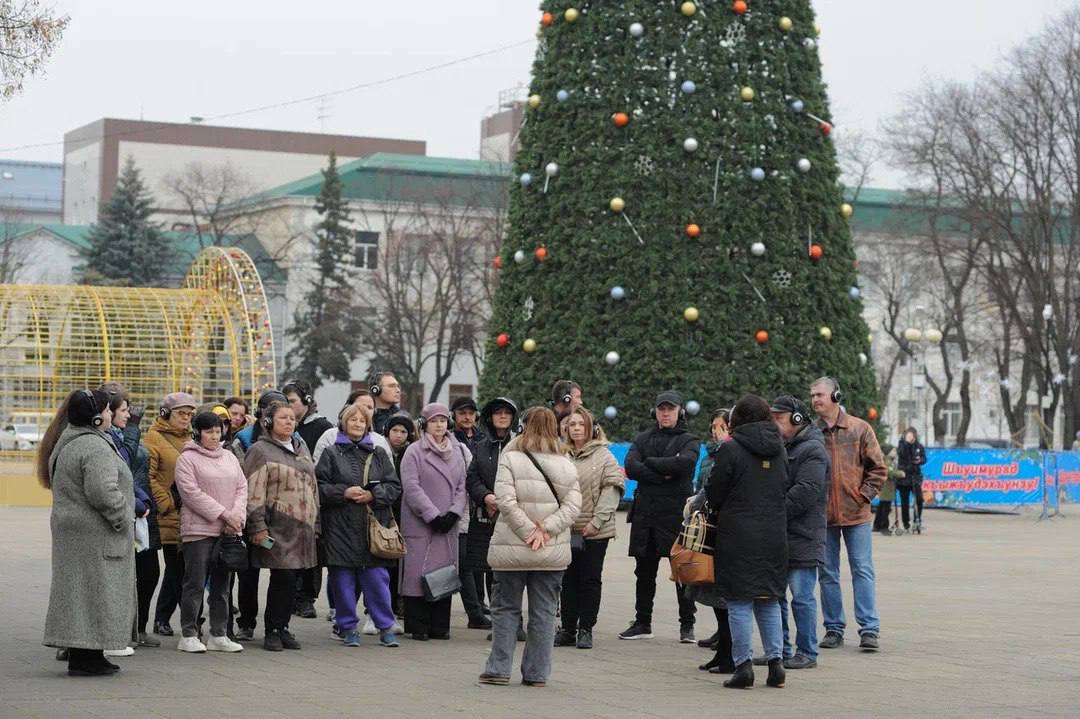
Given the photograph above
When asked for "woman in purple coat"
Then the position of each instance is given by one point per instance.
(433, 500)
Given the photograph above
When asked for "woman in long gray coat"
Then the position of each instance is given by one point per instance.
(92, 597)
(433, 491)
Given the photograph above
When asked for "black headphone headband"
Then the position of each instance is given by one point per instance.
(303, 389)
(96, 420)
(375, 385)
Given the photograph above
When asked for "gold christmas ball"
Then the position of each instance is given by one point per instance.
(534, 101)
(688, 8)
(825, 332)
(846, 210)
(786, 24)
(529, 345)
(617, 204)
(571, 14)
(691, 314)
(817, 28)
(746, 94)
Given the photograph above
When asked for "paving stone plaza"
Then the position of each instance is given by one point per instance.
(980, 618)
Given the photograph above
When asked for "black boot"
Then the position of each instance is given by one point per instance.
(89, 663)
(776, 673)
(721, 663)
(743, 678)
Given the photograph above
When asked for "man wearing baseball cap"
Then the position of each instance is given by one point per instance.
(661, 460)
(164, 440)
(806, 497)
(463, 410)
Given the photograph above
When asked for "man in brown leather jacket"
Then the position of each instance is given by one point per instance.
(858, 472)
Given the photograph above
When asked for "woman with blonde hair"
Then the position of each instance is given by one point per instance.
(602, 482)
(536, 490)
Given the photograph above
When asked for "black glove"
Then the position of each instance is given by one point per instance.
(135, 414)
(444, 522)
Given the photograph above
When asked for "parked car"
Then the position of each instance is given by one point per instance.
(24, 437)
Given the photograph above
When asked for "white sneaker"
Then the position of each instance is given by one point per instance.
(125, 652)
(369, 627)
(192, 645)
(223, 644)
(397, 628)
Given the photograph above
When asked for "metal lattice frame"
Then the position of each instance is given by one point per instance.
(211, 338)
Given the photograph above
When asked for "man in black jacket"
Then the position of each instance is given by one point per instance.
(806, 498)
(661, 460)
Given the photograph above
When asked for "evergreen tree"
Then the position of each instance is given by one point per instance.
(676, 218)
(126, 249)
(325, 332)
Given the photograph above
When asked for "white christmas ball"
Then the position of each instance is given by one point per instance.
(519, 256)
(757, 174)
(803, 164)
(688, 87)
(757, 249)
(690, 144)
(863, 359)
(809, 43)
(525, 179)
(854, 293)
(798, 106)
(637, 30)
(552, 169)
(610, 412)
(612, 358)
(692, 408)
(617, 292)
(562, 96)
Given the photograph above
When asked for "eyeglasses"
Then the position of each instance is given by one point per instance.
(184, 412)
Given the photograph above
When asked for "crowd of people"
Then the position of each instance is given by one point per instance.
(490, 503)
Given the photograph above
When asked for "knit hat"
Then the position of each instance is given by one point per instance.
(403, 419)
(434, 409)
(175, 400)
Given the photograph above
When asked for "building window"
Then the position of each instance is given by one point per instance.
(951, 415)
(457, 391)
(905, 414)
(367, 250)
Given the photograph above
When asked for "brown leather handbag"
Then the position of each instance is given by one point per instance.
(384, 541)
(692, 554)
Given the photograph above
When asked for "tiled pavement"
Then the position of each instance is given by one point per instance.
(980, 616)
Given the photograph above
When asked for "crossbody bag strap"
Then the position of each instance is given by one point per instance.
(544, 475)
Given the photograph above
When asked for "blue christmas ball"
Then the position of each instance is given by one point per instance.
(562, 96)
(692, 408)
(797, 106)
(525, 179)
(617, 292)
(854, 293)
(689, 87)
(610, 412)
(757, 174)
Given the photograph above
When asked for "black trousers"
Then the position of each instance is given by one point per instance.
(581, 586)
(645, 571)
(905, 500)
(147, 573)
(247, 598)
(172, 584)
(308, 585)
(280, 597)
(424, 617)
(470, 597)
(881, 519)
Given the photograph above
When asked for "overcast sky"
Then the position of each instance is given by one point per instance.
(168, 61)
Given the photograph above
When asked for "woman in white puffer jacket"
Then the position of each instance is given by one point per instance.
(537, 492)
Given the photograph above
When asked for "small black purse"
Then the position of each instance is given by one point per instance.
(231, 554)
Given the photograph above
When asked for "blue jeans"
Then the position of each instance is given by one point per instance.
(741, 613)
(858, 540)
(801, 581)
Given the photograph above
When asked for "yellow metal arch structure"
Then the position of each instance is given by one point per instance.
(211, 338)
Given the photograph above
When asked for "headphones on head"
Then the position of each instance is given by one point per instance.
(97, 420)
(562, 392)
(302, 389)
(375, 387)
(422, 423)
(267, 421)
(798, 412)
(165, 412)
(836, 395)
(682, 412)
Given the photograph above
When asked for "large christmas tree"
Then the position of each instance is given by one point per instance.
(676, 218)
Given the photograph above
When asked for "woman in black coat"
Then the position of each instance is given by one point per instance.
(498, 417)
(356, 481)
(910, 458)
(747, 491)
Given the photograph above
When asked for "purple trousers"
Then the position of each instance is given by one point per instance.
(348, 583)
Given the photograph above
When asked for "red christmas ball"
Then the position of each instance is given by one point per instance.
(825, 128)
(546, 19)
(739, 6)
(761, 336)
(540, 253)
(816, 252)
(693, 230)
(872, 414)
(498, 262)
(621, 119)
(503, 339)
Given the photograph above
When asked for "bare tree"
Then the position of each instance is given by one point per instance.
(858, 154)
(29, 34)
(211, 195)
(14, 250)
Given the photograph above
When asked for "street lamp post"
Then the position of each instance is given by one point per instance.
(921, 340)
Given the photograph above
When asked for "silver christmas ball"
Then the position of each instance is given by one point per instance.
(692, 408)
(809, 43)
(757, 249)
(525, 179)
(612, 358)
(797, 106)
(617, 292)
(863, 359)
(637, 29)
(690, 144)
(854, 293)
(552, 169)
(519, 256)
(610, 412)
(757, 174)
(803, 164)
(562, 96)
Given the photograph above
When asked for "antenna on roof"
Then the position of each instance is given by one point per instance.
(323, 111)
